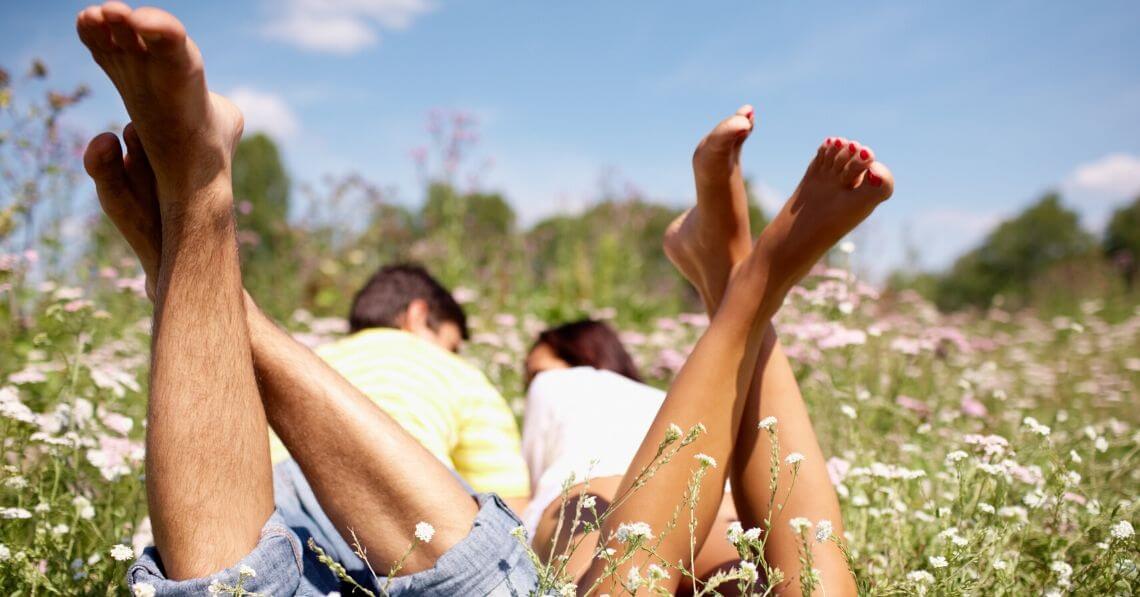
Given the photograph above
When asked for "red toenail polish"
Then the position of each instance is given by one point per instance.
(874, 180)
(838, 143)
(864, 154)
(851, 147)
(748, 115)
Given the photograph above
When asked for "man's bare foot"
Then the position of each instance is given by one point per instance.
(188, 132)
(706, 241)
(126, 189)
(842, 186)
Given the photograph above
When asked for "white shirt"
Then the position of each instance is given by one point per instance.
(578, 415)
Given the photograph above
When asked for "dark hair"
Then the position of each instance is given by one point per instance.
(589, 343)
(386, 296)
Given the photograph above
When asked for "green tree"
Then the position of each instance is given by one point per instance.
(468, 232)
(1014, 254)
(1122, 240)
(261, 200)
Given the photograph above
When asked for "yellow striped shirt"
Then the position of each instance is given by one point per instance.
(441, 400)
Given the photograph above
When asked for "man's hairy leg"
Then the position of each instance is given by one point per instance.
(370, 476)
(209, 484)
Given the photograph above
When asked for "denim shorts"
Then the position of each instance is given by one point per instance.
(489, 561)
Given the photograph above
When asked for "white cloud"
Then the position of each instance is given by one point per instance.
(341, 26)
(1115, 176)
(265, 112)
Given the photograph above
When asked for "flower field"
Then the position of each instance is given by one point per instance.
(993, 453)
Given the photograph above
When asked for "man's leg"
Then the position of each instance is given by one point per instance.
(208, 475)
(369, 475)
(839, 190)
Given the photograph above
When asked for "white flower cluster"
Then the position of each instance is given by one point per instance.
(1034, 427)
(633, 531)
(705, 460)
(424, 532)
(887, 471)
(143, 589)
(1122, 530)
(823, 530)
(122, 553)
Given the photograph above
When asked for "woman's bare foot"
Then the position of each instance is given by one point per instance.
(188, 132)
(126, 189)
(842, 186)
(705, 241)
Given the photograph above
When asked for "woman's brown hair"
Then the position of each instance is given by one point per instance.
(589, 343)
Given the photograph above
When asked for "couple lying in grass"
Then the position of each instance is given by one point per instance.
(222, 373)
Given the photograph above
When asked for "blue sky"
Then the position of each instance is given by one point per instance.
(978, 107)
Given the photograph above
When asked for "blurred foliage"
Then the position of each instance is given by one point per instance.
(1122, 240)
(1041, 257)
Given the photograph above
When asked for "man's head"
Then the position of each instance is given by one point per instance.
(408, 298)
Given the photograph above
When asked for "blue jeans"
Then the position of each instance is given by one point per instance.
(489, 561)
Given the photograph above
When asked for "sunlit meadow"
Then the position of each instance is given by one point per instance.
(993, 452)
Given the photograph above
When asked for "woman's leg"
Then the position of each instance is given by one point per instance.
(842, 186)
(701, 244)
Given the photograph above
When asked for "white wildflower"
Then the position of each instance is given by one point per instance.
(1072, 478)
(799, 523)
(634, 531)
(1101, 444)
(706, 460)
(14, 513)
(589, 502)
(143, 590)
(424, 532)
(987, 508)
(955, 457)
(214, 588)
(673, 433)
(5, 553)
(18, 482)
(1034, 498)
(655, 572)
(1122, 530)
(1000, 564)
(568, 590)
(748, 572)
(919, 577)
(633, 580)
(247, 571)
(122, 553)
(767, 423)
(1013, 512)
(752, 534)
(735, 532)
(823, 530)
(848, 411)
(794, 458)
(519, 533)
(83, 505)
(1033, 426)
(938, 562)
(1073, 456)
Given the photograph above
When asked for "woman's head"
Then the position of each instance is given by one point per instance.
(585, 343)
